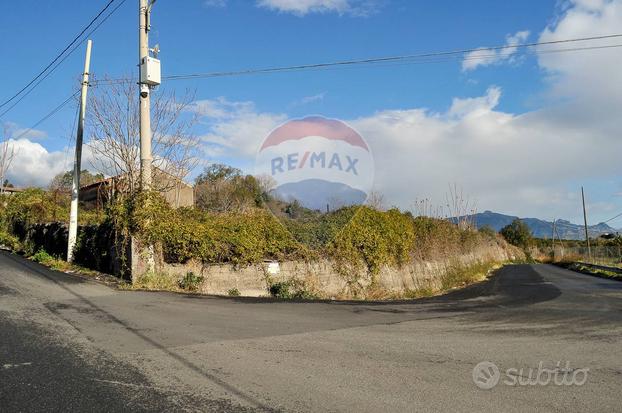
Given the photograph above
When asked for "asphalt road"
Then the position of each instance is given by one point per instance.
(73, 345)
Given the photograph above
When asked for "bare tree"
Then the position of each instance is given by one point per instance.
(376, 200)
(426, 208)
(114, 126)
(460, 207)
(266, 183)
(7, 154)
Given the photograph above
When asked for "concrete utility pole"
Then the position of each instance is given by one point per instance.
(149, 75)
(145, 99)
(587, 237)
(77, 163)
(553, 238)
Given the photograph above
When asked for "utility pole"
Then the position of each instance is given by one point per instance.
(145, 99)
(587, 237)
(553, 239)
(77, 163)
(149, 76)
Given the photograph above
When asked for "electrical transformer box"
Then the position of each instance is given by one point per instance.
(150, 71)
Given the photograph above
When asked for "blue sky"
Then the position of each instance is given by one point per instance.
(195, 37)
(205, 36)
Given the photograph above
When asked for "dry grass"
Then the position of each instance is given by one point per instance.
(456, 276)
(156, 281)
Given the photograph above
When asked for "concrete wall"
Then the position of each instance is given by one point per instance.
(321, 277)
(182, 195)
(96, 248)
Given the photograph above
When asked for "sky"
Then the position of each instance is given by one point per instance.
(519, 132)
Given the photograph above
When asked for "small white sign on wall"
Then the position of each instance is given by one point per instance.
(274, 268)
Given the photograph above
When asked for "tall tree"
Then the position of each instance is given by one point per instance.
(222, 188)
(114, 126)
(517, 233)
(63, 181)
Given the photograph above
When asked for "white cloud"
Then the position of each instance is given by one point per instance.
(221, 108)
(12, 130)
(475, 107)
(304, 7)
(235, 128)
(33, 165)
(486, 57)
(215, 3)
(594, 74)
(520, 164)
(310, 99)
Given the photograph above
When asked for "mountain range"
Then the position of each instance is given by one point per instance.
(541, 228)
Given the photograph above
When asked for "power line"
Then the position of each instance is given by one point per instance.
(102, 21)
(611, 219)
(71, 136)
(48, 115)
(404, 59)
(369, 61)
(75, 39)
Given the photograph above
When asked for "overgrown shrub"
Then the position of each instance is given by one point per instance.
(517, 233)
(488, 231)
(42, 257)
(280, 290)
(9, 241)
(233, 292)
(99, 247)
(372, 239)
(191, 282)
(156, 281)
(236, 238)
(33, 205)
(290, 290)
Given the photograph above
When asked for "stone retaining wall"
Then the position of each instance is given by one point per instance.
(321, 276)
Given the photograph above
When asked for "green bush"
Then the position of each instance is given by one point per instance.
(233, 292)
(33, 205)
(42, 257)
(372, 239)
(236, 238)
(517, 233)
(290, 290)
(191, 282)
(488, 231)
(280, 290)
(9, 241)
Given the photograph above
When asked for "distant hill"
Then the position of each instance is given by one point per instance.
(541, 228)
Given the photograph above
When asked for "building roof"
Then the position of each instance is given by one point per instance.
(111, 179)
(10, 189)
(97, 183)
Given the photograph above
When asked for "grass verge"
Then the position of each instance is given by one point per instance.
(589, 270)
(57, 264)
(456, 276)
